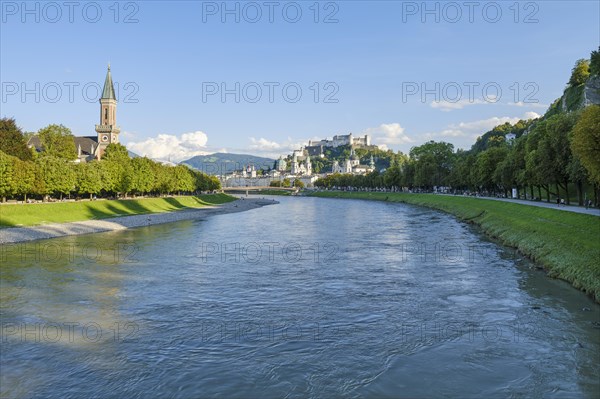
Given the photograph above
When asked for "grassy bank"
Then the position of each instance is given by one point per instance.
(62, 212)
(564, 243)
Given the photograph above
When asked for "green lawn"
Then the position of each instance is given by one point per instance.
(567, 244)
(60, 212)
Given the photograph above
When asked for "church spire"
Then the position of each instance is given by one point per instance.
(108, 131)
(109, 89)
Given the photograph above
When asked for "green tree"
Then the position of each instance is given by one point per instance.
(89, 178)
(433, 162)
(12, 140)
(393, 176)
(298, 183)
(595, 62)
(585, 141)
(24, 177)
(184, 180)
(57, 175)
(460, 176)
(6, 176)
(486, 164)
(58, 141)
(580, 72)
(213, 183)
(142, 180)
(164, 179)
(117, 165)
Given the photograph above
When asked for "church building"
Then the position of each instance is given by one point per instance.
(107, 132)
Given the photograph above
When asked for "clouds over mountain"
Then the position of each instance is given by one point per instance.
(168, 146)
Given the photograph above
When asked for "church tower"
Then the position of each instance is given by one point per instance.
(108, 131)
(294, 170)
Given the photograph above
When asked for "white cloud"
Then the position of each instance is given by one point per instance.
(531, 115)
(475, 129)
(128, 135)
(388, 134)
(530, 105)
(273, 149)
(448, 106)
(263, 144)
(171, 147)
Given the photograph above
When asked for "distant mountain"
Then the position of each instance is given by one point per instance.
(221, 163)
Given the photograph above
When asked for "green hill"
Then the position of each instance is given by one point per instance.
(221, 163)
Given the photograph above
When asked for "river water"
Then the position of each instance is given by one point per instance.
(308, 298)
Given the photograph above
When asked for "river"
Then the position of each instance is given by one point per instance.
(307, 298)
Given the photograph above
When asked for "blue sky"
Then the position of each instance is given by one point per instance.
(370, 63)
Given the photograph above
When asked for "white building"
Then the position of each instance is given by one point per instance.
(340, 140)
(280, 164)
(352, 165)
(301, 164)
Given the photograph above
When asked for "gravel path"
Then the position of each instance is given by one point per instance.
(53, 230)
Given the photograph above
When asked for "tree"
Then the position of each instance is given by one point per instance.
(24, 177)
(89, 178)
(585, 141)
(298, 183)
(183, 179)
(392, 176)
(595, 62)
(486, 164)
(12, 140)
(142, 180)
(57, 175)
(580, 72)
(119, 173)
(213, 183)
(433, 162)
(58, 141)
(164, 180)
(559, 129)
(6, 176)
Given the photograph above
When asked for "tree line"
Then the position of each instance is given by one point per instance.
(548, 157)
(25, 173)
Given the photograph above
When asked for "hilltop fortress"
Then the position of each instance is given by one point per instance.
(316, 148)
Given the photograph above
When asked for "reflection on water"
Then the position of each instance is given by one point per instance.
(311, 297)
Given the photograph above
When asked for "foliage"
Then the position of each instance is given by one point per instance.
(116, 173)
(89, 178)
(586, 141)
(6, 175)
(580, 72)
(58, 141)
(595, 62)
(12, 140)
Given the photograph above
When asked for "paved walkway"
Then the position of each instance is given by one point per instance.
(543, 204)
